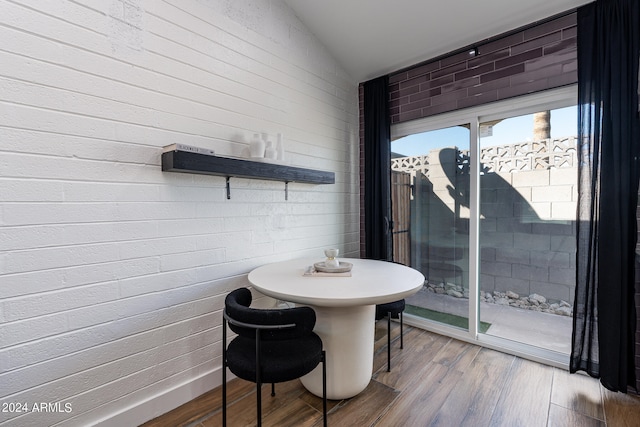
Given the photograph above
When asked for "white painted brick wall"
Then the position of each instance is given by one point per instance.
(113, 273)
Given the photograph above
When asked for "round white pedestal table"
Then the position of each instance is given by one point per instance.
(345, 313)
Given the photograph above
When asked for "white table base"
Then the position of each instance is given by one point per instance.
(347, 334)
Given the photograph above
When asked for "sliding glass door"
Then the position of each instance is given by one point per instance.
(484, 206)
(434, 165)
(528, 177)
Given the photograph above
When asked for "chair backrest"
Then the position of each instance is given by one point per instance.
(237, 308)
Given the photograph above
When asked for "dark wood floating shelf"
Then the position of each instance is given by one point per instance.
(186, 162)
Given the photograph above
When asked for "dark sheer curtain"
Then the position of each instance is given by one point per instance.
(604, 311)
(377, 169)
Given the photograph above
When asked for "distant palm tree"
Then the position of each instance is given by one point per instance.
(542, 125)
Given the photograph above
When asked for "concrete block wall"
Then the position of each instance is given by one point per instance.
(113, 273)
(527, 222)
(527, 232)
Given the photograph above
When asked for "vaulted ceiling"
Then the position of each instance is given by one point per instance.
(371, 38)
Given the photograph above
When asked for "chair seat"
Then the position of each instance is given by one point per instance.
(276, 358)
(395, 308)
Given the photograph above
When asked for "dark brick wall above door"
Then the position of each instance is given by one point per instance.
(534, 59)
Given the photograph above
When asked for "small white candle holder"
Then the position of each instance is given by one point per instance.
(332, 261)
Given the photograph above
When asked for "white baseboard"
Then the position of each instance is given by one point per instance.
(164, 402)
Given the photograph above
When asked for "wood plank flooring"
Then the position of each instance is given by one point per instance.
(434, 381)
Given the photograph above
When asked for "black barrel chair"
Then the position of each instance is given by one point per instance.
(271, 346)
(391, 310)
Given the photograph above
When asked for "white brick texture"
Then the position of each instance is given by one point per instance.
(112, 272)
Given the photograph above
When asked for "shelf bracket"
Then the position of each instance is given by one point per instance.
(228, 188)
(286, 190)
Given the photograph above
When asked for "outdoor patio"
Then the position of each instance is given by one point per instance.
(544, 330)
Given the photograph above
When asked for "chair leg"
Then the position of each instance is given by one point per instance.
(224, 373)
(389, 342)
(324, 387)
(259, 402)
(273, 389)
(224, 401)
(224, 395)
(258, 379)
(389, 338)
(401, 331)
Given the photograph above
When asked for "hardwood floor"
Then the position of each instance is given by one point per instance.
(434, 381)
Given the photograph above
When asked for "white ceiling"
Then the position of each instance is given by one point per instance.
(370, 38)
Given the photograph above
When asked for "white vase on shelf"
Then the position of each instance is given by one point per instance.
(257, 147)
(280, 148)
(270, 151)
